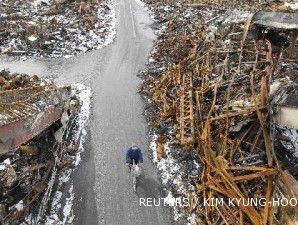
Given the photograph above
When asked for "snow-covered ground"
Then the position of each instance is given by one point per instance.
(173, 178)
(44, 28)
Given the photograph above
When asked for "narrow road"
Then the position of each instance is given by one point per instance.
(103, 189)
(117, 122)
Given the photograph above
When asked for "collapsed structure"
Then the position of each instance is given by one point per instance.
(226, 83)
(28, 106)
(36, 127)
(54, 28)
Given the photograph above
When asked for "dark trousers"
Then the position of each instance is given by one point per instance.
(136, 161)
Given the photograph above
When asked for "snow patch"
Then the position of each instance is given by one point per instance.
(140, 3)
(7, 161)
(293, 6)
(2, 167)
(83, 119)
(19, 206)
(171, 175)
(108, 19)
(36, 3)
(67, 210)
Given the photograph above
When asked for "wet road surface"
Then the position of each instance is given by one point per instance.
(118, 121)
(103, 188)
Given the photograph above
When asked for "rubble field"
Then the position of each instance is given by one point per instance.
(221, 94)
(41, 138)
(55, 28)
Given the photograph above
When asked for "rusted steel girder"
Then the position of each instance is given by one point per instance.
(187, 112)
(25, 125)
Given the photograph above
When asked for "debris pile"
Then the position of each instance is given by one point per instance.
(39, 134)
(55, 28)
(252, 5)
(224, 84)
(28, 106)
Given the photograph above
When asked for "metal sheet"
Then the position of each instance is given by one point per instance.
(278, 20)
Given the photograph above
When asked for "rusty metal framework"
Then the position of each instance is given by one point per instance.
(217, 93)
(187, 133)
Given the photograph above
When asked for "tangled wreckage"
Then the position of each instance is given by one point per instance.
(54, 28)
(222, 83)
(37, 128)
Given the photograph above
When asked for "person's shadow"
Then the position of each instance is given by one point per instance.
(148, 188)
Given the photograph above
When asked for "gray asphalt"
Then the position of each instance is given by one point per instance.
(118, 121)
(103, 188)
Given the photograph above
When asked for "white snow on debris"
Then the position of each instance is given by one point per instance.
(32, 38)
(85, 97)
(293, 6)
(67, 210)
(62, 203)
(2, 167)
(55, 207)
(19, 206)
(67, 42)
(4, 164)
(292, 144)
(153, 147)
(192, 219)
(111, 29)
(171, 176)
(38, 2)
(7, 161)
(169, 168)
(140, 3)
(84, 93)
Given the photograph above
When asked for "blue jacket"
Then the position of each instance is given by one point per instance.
(134, 154)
